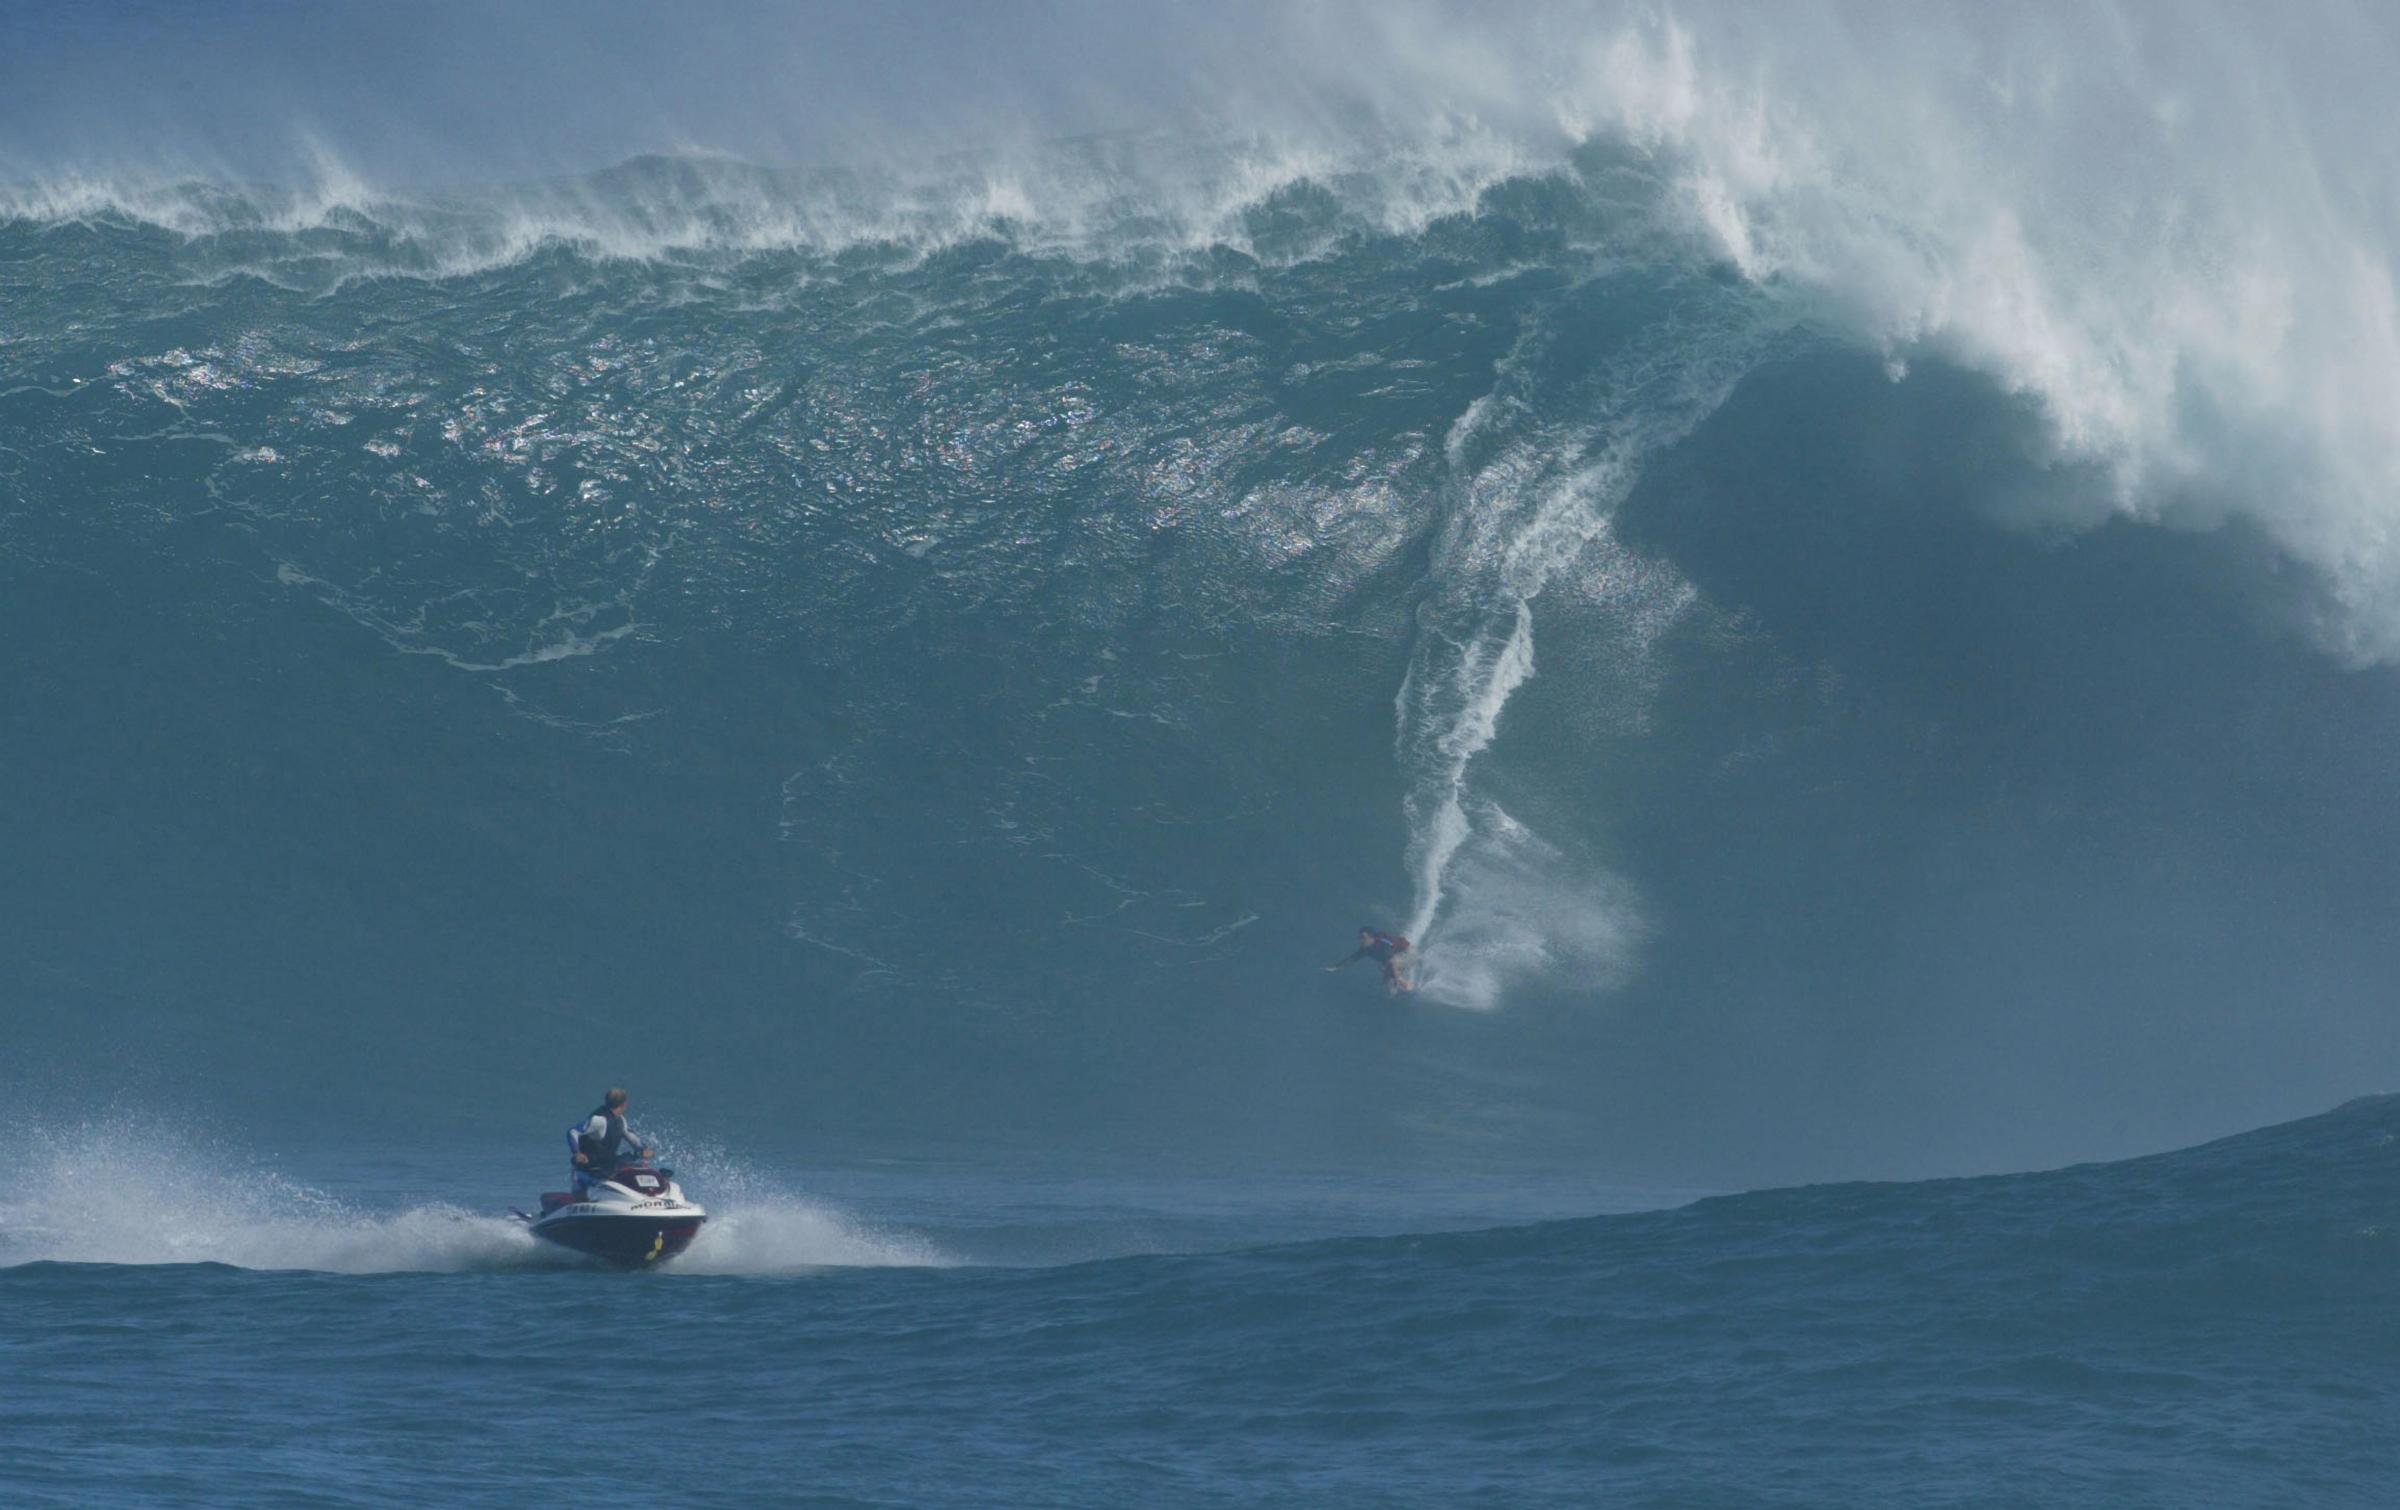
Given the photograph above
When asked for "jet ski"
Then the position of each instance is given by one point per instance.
(630, 1218)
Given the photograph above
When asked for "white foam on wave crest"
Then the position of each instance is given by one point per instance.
(1123, 202)
(2141, 222)
(2175, 228)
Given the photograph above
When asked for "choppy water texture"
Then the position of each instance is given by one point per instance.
(955, 667)
(2209, 1327)
(1832, 568)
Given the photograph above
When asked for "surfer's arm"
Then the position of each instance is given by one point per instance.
(1342, 964)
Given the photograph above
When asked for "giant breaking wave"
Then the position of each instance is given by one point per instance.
(1028, 577)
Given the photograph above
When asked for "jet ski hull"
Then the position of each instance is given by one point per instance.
(623, 1241)
(633, 1217)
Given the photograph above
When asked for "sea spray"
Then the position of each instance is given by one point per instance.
(134, 1190)
(758, 1223)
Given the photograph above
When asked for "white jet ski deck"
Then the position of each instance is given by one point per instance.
(630, 1218)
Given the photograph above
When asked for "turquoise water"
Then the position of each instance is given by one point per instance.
(890, 683)
(1830, 569)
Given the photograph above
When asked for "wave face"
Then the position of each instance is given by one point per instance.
(2207, 1327)
(940, 644)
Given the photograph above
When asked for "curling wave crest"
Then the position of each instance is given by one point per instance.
(2139, 221)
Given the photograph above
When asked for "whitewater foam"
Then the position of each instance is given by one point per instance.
(758, 1224)
(1125, 202)
(1539, 466)
(2139, 222)
(2187, 268)
(126, 1191)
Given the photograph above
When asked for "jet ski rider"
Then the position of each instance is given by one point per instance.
(602, 1141)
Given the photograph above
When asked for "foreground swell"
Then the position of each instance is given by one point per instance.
(2215, 1326)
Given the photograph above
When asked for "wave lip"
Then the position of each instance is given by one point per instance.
(2135, 220)
(1124, 201)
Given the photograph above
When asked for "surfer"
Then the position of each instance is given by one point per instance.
(1386, 949)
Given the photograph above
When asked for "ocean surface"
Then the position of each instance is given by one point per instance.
(900, 581)
(2219, 1326)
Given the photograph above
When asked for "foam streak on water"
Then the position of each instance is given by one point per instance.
(1538, 468)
